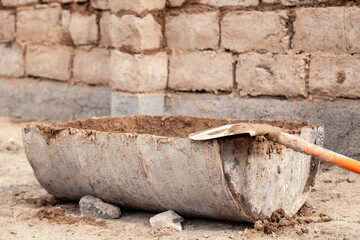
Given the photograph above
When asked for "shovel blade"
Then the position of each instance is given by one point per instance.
(252, 129)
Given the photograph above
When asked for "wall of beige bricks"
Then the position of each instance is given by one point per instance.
(288, 48)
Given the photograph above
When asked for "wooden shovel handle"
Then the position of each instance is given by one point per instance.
(300, 145)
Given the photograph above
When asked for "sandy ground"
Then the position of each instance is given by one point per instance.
(27, 211)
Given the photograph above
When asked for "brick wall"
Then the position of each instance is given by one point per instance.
(296, 60)
(248, 48)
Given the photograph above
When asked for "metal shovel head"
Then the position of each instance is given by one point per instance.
(251, 129)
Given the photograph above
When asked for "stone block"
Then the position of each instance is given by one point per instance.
(101, 4)
(226, 3)
(201, 70)
(65, 1)
(175, 3)
(15, 3)
(270, 1)
(83, 29)
(298, 2)
(139, 104)
(39, 24)
(130, 32)
(52, 62)
(138, 73)
(319, 29)
(192, 31)
(11, 60)
(92, 66)
(244, 31)
(271, 74)
(32, 99)
(352, 30)
(7, 26)
(293, 2)
(137, 6)
(332, 29)
(335, 75)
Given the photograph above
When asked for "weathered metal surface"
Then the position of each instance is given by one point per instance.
(231, 179)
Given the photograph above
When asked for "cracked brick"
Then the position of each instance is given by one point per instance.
(201, 70)
(7, 26)
(49, 61)
(192, 31)
(83, 29)
(11, 60)
(101, 4)
(243, 31)
(271, 74)
(137, 6)
(335, 75)
(39, 24)
(226, 3)
(138, 73)
(92, 66)
(332, 29)
(130, 31)
(15, 3)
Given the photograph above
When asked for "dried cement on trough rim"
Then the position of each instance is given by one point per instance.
(237, 179)
(167, 126)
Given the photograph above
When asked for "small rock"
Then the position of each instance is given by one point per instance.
(324, 219)
(305, 230)
(350, 180)
(95, 207)
(16, 214)
(297, 229)
(259, 226)
(168, 219)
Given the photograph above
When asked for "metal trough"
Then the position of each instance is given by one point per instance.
(147, 162)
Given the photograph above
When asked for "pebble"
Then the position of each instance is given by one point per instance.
(94, 207)
(167, 220)
(16, 214)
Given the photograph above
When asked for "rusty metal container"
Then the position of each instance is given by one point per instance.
(147, 162)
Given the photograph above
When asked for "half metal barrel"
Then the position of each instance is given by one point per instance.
(149, 163)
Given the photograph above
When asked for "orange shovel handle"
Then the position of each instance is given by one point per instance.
(336, 158)
(300, 145)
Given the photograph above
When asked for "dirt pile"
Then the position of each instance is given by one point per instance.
(58, 215)
(280, 221)
(46, 201)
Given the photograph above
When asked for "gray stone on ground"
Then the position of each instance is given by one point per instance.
(94, 207)
(167, 220)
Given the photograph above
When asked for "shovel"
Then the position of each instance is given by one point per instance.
(278, 135)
